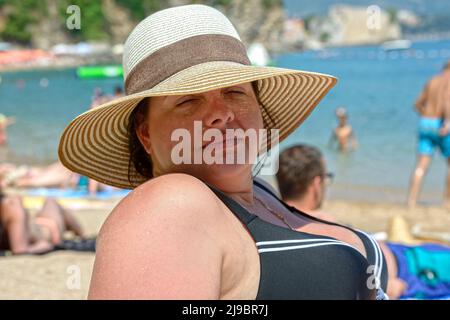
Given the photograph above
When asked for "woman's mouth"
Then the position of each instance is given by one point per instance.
(224, 144)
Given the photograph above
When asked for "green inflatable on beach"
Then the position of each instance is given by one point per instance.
(99, 72)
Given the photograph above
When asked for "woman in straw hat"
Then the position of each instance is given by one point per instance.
(201, 229)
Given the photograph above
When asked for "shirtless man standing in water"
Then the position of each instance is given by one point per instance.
(343, 133)
(433, 106)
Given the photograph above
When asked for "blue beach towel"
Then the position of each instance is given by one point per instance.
(77, 193)
(425, 268)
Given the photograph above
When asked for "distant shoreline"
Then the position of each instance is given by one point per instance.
(370, 194)
(59, 63)
(347, 192)
(67, 62)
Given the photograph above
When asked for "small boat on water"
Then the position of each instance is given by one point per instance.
(87, 72)
(396, 45)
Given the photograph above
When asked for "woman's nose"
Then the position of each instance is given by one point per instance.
(218, 114)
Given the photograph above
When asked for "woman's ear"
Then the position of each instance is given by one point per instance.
(143, 135)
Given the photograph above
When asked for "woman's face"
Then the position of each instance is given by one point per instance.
(195, 130)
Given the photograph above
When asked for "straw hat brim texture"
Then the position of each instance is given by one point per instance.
(95, 144)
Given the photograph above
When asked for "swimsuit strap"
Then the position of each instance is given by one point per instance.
(246, 217)
(363, 236)
(51, 226)
(234, 206)
(373, 250)
(297, 211)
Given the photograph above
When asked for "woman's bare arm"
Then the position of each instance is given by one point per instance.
(396, 286)
(160, 243)
(421, 101)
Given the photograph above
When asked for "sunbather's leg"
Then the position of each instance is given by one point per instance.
(71, 222)
(61, 216)
(14, 219)
(423, 162)
(396, 286)
(55, 175)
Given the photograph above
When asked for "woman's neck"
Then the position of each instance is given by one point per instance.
(244, 198)
(239, 187)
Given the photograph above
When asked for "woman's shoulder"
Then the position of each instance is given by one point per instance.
(162, 233)
(170, 187)
(169, 199)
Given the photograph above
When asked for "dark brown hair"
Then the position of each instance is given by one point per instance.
(298, 166)
(139, 157)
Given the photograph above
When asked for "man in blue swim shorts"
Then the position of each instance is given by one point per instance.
(433, 107)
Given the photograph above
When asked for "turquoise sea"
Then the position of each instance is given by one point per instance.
(378, 89)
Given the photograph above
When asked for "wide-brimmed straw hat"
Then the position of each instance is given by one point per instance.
(182, 50)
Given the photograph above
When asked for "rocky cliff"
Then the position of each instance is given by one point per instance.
(111, 20)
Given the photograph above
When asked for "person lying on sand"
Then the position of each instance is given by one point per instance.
(95, 186)
(22, 234)
(417, 271)
(53, 175)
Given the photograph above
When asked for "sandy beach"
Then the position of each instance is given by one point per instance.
(54, 275)
(375, 217)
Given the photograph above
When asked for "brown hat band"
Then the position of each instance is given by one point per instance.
(181, 55)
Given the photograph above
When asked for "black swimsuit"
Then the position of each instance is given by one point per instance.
(298, 265)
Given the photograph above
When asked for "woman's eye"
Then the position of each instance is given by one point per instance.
(236, 92)
(185, 101)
